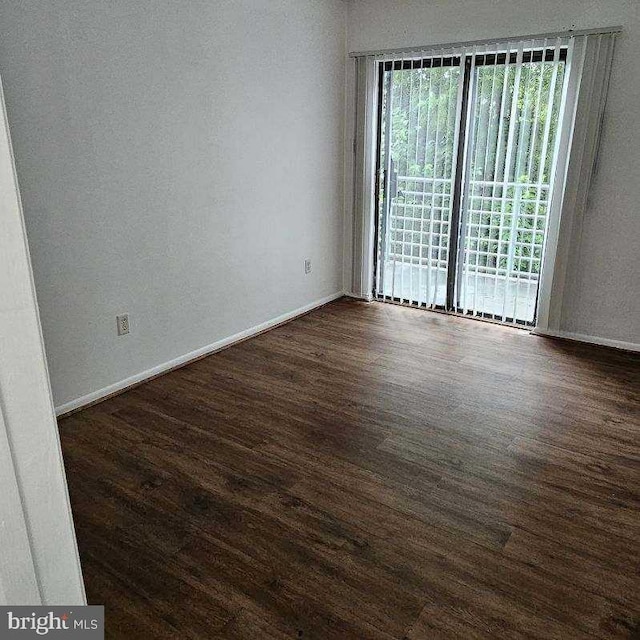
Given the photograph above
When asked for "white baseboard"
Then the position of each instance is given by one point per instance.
(113, 389)
(581, 337)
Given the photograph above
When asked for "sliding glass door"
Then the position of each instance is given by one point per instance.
(419, 101)
(467, 146)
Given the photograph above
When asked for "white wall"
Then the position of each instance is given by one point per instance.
(602, 298)
(38, 556)
(177, 161)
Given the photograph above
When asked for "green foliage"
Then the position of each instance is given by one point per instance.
(508, 192)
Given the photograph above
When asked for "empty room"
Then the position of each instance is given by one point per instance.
(320, 319)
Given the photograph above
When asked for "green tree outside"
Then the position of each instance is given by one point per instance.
(423, 139)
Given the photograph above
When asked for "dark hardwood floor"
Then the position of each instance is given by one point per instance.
(367, 472)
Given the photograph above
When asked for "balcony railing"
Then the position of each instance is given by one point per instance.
(505, 225)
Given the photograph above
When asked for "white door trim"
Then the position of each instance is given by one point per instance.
(18, 580)
(39, 560)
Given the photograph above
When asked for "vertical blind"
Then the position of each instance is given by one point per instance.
(479, 142)
(421, 159)
(513, 125)
(584, 110)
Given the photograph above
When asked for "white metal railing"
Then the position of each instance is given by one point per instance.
(489, 248)
(475, 182)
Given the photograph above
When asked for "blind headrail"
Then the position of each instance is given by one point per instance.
(571, 33)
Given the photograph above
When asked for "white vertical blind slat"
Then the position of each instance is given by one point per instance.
(387, 172)
(508, 158)
(432, 291)
(465, 231)
(453, 117)
(520, 163)
(407, 239)
(498, 169)
(394, 229)
(420, 299)
(438, 186)
(486, 175)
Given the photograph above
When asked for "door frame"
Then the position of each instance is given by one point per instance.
(467, 62)
(39, 562)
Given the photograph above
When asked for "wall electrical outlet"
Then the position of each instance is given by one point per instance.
(123, 324)
(307, 266)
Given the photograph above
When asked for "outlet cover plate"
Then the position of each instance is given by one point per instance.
(123, 324)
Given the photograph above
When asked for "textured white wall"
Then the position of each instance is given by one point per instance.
(177, 160)
(602, 298)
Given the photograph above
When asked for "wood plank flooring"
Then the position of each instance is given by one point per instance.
(367, 472)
